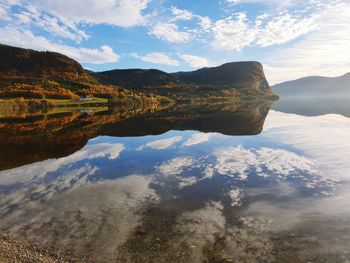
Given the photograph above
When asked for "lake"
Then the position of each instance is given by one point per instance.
(189, 183)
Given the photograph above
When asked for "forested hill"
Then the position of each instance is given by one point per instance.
(246, 76)
(25, 72)
(30, 74)
(30, 63)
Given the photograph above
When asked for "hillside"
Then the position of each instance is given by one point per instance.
(244, 76)
(248, 75)
(137, 78)
(32, 74)
(37, 75)
(315, 86)
(30, 63)
(30, 78)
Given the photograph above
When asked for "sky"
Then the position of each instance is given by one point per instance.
(292, 39)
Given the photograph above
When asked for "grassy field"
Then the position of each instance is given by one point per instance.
(23, 107)
(54, 102)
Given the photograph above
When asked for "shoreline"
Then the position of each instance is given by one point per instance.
(16, 249)
(14, 107)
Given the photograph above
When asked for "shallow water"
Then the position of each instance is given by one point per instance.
(184, 185)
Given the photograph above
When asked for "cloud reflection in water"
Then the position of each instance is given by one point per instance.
(229, 193)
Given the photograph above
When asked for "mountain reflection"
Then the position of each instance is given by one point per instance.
(314, 106)
(207, 195)
(33, 139)
(222, 118)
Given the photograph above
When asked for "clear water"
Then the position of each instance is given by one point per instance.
(185, 185)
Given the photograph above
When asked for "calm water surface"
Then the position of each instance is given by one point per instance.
(184, 185)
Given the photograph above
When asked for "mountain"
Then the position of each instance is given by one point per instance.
(137, 78)
(226, 119)
(30, 74)
(314, 96)
(314, 86)
(21, 62)
(40, 75)
(247, 76)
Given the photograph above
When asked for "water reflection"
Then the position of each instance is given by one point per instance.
(315, 105)
(192, 196)
(32, 139)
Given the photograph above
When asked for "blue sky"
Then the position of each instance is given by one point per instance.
(290, 38)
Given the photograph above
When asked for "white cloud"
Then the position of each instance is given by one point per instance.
(3, 14)
(106, 150)
(175, 166)
(233, 2)
(194, 61)
(70, 180)
(205, 23)
(208, 173)
(238, 162)
(108, 213)
(324, 51)
(181, 14)
(276, 4)
(285, 27)
(26, 39)
(200, 228)
(41, 169)
(170, 32)
(237, 32)
(197, 138)
(233, 33)
(241, 163)
(31, 16)
(284, 162)
(161, 144)
(236, 196)
(203, 227)
(187, 181)
(157, 58)
(235, 161)
(197, 27)
(5, 6)
(203, 224)
(56, 27)
(66, 182)
(123, 13)
(23, 18)
(279, 4)
(65, 18)
(325, 140)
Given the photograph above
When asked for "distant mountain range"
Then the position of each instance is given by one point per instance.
(29, 70)
(314, 86)
(314, 96)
